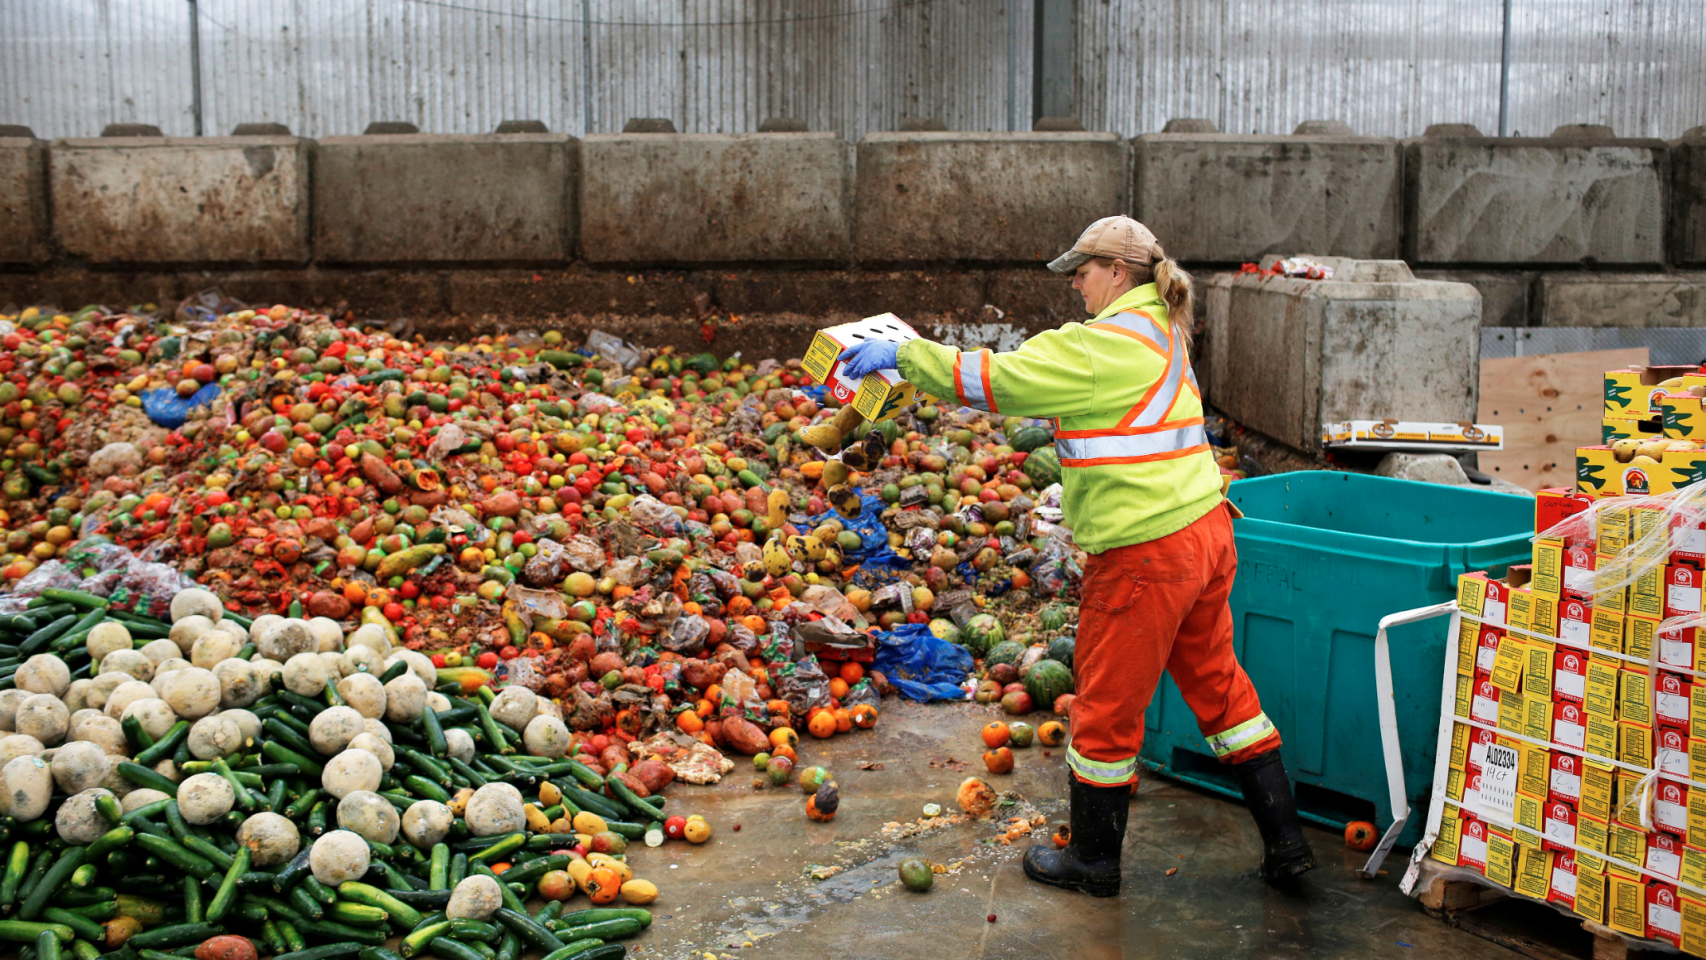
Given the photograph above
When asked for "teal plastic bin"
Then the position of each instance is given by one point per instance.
(1322, 556)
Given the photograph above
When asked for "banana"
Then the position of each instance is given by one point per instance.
(846, 420)
(845, 501)
(823, 436)
(777, 563)
(1625, 449)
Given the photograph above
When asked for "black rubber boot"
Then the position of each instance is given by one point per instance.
(1267, 790)
(1090, 862)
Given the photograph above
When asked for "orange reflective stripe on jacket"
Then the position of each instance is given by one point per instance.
(1145, 433)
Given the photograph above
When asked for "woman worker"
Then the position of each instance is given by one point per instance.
(1143, 498)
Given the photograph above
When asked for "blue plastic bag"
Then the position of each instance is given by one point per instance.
(921, 665)
(169, 410)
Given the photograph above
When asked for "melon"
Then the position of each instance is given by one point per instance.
(1007, 651)
(1056, 616)
(982, 632)
(1027, 439)
(1043, 467)
(1047, 680)
(943, 629)
(1060, 650)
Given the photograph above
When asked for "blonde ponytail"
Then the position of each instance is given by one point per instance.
(1176, 289)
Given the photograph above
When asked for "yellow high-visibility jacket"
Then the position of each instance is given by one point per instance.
(1135, 463)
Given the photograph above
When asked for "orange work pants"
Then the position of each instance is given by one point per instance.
(1156, 606)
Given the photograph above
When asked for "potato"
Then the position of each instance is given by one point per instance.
(364, 692)
(333, 728)
(370, 815)
(79, 821)
(339, 856)
(197, 602)
(405, 699)
(212, 647)
(328, 635)
(285, 639)
(305, 675)
(238, 686)
(377, 728)
(171, 665)
(158, 651)
(492, 811)
(127, 693)
(262, 624)
(247, 722)
(109, 636)
(192, 693)
(419, 664)
(215, 736)
(10, 700)
(350, 771)
(102, 687)
(204, 798)
(43, 673)
(153, 713)
(475, 898)
(132, 662)
(102, 731)
(115, 783)
(460, 743)
(546, 737)
(376, 746)
(79, 765)
(514, 707)
(137, 799)
(186, 631)
(334, 663)
(76, 698)
(742, 735)
(361, 659)
(27, 787)
(265, 671)
(272, 839)
(373, 637)
(17, 745)
(426, 822)
(43, 716)
(437, 702)
(549, 708)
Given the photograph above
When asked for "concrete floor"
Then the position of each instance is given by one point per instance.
(750, 894)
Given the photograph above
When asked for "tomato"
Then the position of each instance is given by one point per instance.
(488, 660)
(438, 660)
(675, 827)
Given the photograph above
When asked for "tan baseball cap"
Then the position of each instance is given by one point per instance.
(1120, 238)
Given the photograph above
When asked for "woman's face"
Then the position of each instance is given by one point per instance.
(1100, 283)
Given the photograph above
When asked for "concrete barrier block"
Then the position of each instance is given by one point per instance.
(23, 200)
(1228, 197)
(216, 200)
(1285, 356)
(1623, 300)
(1569, 200)
(1505, 296)
(1005, 197)
(437, 198)
(1688, 198)
(713, 197)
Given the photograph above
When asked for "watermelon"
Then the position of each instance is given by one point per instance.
(943, 629)
(1007, 651)
(1027, 439)
(1056, 616)
(1043, 467)
(1048, 680)
(980, 633)
(1060, 650)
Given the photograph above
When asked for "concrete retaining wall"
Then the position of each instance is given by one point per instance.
(1222, 197)
(1688, 198)
(135, 200)
(23, 200)
(704, 198)
(1622, 300)
(422, 197)
(975, 196)
(1285, 356)
(1472, 199)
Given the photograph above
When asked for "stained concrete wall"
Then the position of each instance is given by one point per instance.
(1481, 200)
(1286, 356)
(1622, 300)
(705, 198)
(23, 200)
(403, 198)
(181, 199)
(978, 196)
(1224, 197)
(1688, 198)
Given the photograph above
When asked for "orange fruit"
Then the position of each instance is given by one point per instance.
(852, 672)
(999, 760)
(1052, 733)
(603, 885)
(843, 720)
(864, 716)
(1360, 835)
(689, 722)
(822, 725)
(838, 688)
(785, 750)
(996, 734)
(783, 736)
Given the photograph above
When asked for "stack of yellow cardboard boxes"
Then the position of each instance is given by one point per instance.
(1652, 430)
(1574, 709)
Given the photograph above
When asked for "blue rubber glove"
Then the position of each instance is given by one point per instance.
(863, 359)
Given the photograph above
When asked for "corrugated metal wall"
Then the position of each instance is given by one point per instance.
(327, 67)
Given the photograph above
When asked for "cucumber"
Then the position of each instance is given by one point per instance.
(532, 870)
(458, 870)
(600, 914)
(372, 896)
(85, 927)
(318, 890)
(17, 864)
(51, 882)
(195, 911)
(326, 952)
(221, 903)
(108, 842)
(434, 733)
(603, 929)
(326, 929)
(470, 929)
(175, 855)
(291, 935)
(422, 787)
(511, 900)
(359, 914)
(47, 945)
(581, 949)
(438, 870)
(176, 935)
(528, 929)
(278, 753)
(423, 899)
(145, 811)
(293, 871)
(497, 851)
(419, 938)
(379, 953)
(76, 598)
(146, 777)
(20, 931)
(509, 948)
(448, 949)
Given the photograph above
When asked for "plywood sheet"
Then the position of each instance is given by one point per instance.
(1549, 405)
